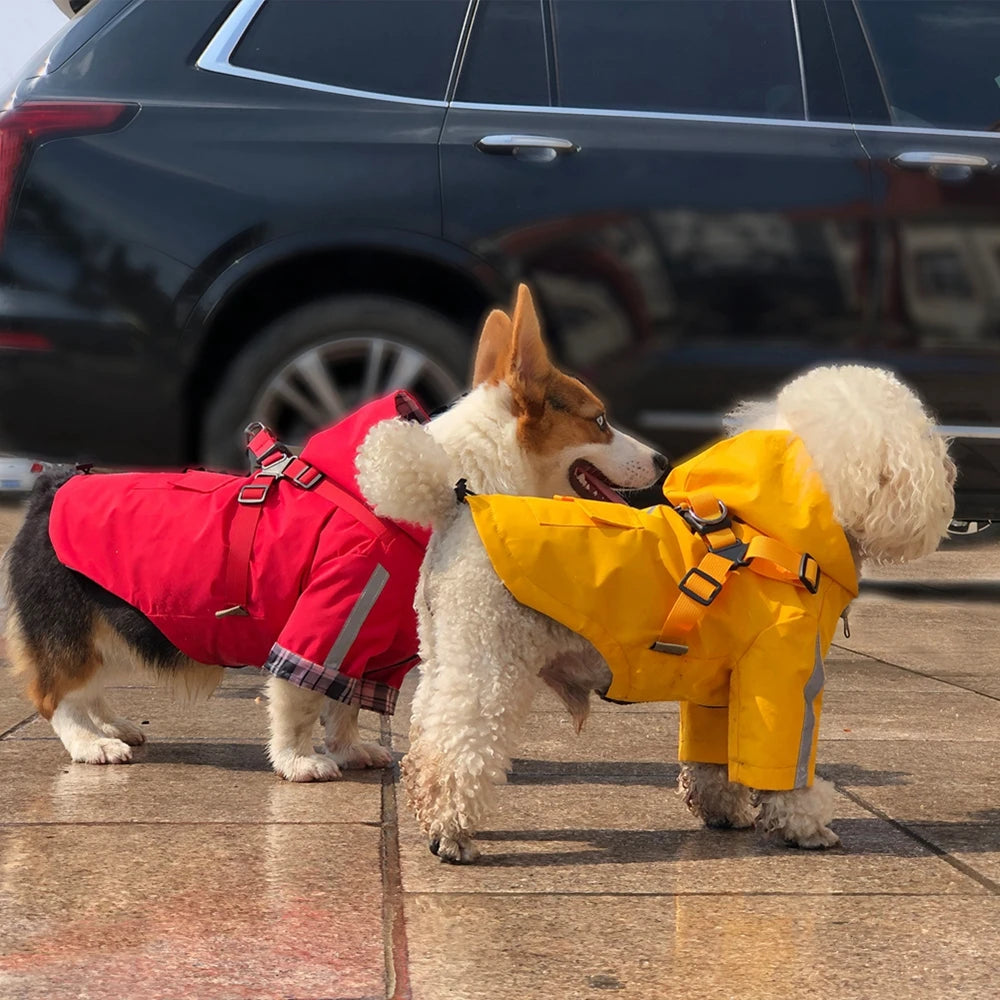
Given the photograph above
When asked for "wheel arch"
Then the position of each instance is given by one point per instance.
(281, 276)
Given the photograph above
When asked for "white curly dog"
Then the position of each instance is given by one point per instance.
(484, 656)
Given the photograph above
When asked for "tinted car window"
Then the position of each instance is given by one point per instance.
(505, 59)
(403, 47)
(940, 60)
(712, 57)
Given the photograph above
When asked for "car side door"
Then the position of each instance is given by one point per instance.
(924, 87)
(679, 181)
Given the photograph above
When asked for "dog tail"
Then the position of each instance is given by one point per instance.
(40, 500)
(406, 475)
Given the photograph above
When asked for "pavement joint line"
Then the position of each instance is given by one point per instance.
(394, 939)
(18, 726)
(975, 591)
(374, 824)
(692, 894)
(940, 852)
(914, 671)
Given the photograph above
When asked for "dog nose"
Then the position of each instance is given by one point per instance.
(661, 463)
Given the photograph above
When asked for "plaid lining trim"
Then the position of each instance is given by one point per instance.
(361, 691)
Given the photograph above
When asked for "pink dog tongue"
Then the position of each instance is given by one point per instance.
(590, 483)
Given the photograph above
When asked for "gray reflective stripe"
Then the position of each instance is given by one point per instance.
(812, 689)
(356, 618)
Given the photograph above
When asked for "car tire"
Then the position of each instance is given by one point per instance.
(966, 533)
(333, 355)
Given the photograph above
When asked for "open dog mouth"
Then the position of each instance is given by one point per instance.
(590, 483)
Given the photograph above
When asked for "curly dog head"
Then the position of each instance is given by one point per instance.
(884, 466)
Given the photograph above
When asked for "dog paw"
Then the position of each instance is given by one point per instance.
(711, 797)
(124, 730)
(453, 851)
(817, 839)
(299, 767)
(359, 755)
(109, 751)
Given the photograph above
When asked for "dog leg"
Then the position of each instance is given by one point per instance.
(103, 716)
(343, 738)
(801, 815)
(294, 712)
(710, 795)
(86, 742)
(461, 741)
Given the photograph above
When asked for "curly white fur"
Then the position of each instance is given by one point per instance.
(714, 799)
(406, 474)
(877, 452)
(801, 816)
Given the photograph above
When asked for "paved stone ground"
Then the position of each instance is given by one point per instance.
(195, 873)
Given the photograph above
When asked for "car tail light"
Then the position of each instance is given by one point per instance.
(24, 126)
(37, 467)
(15, 340)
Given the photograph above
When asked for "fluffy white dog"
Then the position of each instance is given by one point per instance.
(878, 484)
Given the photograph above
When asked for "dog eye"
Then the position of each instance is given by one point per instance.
(601, 421)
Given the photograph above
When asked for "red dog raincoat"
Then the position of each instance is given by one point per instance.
(288, 570)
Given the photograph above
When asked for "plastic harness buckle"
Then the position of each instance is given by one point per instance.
(809, 573)
(700, 574)
(735, 553)
(462, 490)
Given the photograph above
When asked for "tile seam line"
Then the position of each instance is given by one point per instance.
(394, 939)
(914, 672)
(18, 726)
(967, 870)
(373, 824)
(564, 894)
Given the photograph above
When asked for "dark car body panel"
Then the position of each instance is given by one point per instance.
(682, 261)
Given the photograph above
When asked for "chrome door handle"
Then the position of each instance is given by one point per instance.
(945, 166)
(540, 148)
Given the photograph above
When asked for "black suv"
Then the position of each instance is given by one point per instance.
(212, 211)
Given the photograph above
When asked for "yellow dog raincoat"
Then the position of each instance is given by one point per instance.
(726, 601)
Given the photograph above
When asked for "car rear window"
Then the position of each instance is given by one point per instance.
(394, 47)
(940, 60)
(707, 57)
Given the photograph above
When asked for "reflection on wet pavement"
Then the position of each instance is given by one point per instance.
(195, 872)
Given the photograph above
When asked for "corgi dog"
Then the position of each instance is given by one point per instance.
(335, 633)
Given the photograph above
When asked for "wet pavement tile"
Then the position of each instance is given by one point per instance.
(606, 837)
(696, 947)
(945, 794)
(174, 782)
(129, 910)
(909, 715)
(15, 709)
(196, 872)
(958, 643)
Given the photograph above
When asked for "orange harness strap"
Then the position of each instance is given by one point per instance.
(726, 552)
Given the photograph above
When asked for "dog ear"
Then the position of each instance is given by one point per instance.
(494, 348)
(909, 512)
(529, 368)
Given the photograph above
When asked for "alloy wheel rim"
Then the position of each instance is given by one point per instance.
(323, 383)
